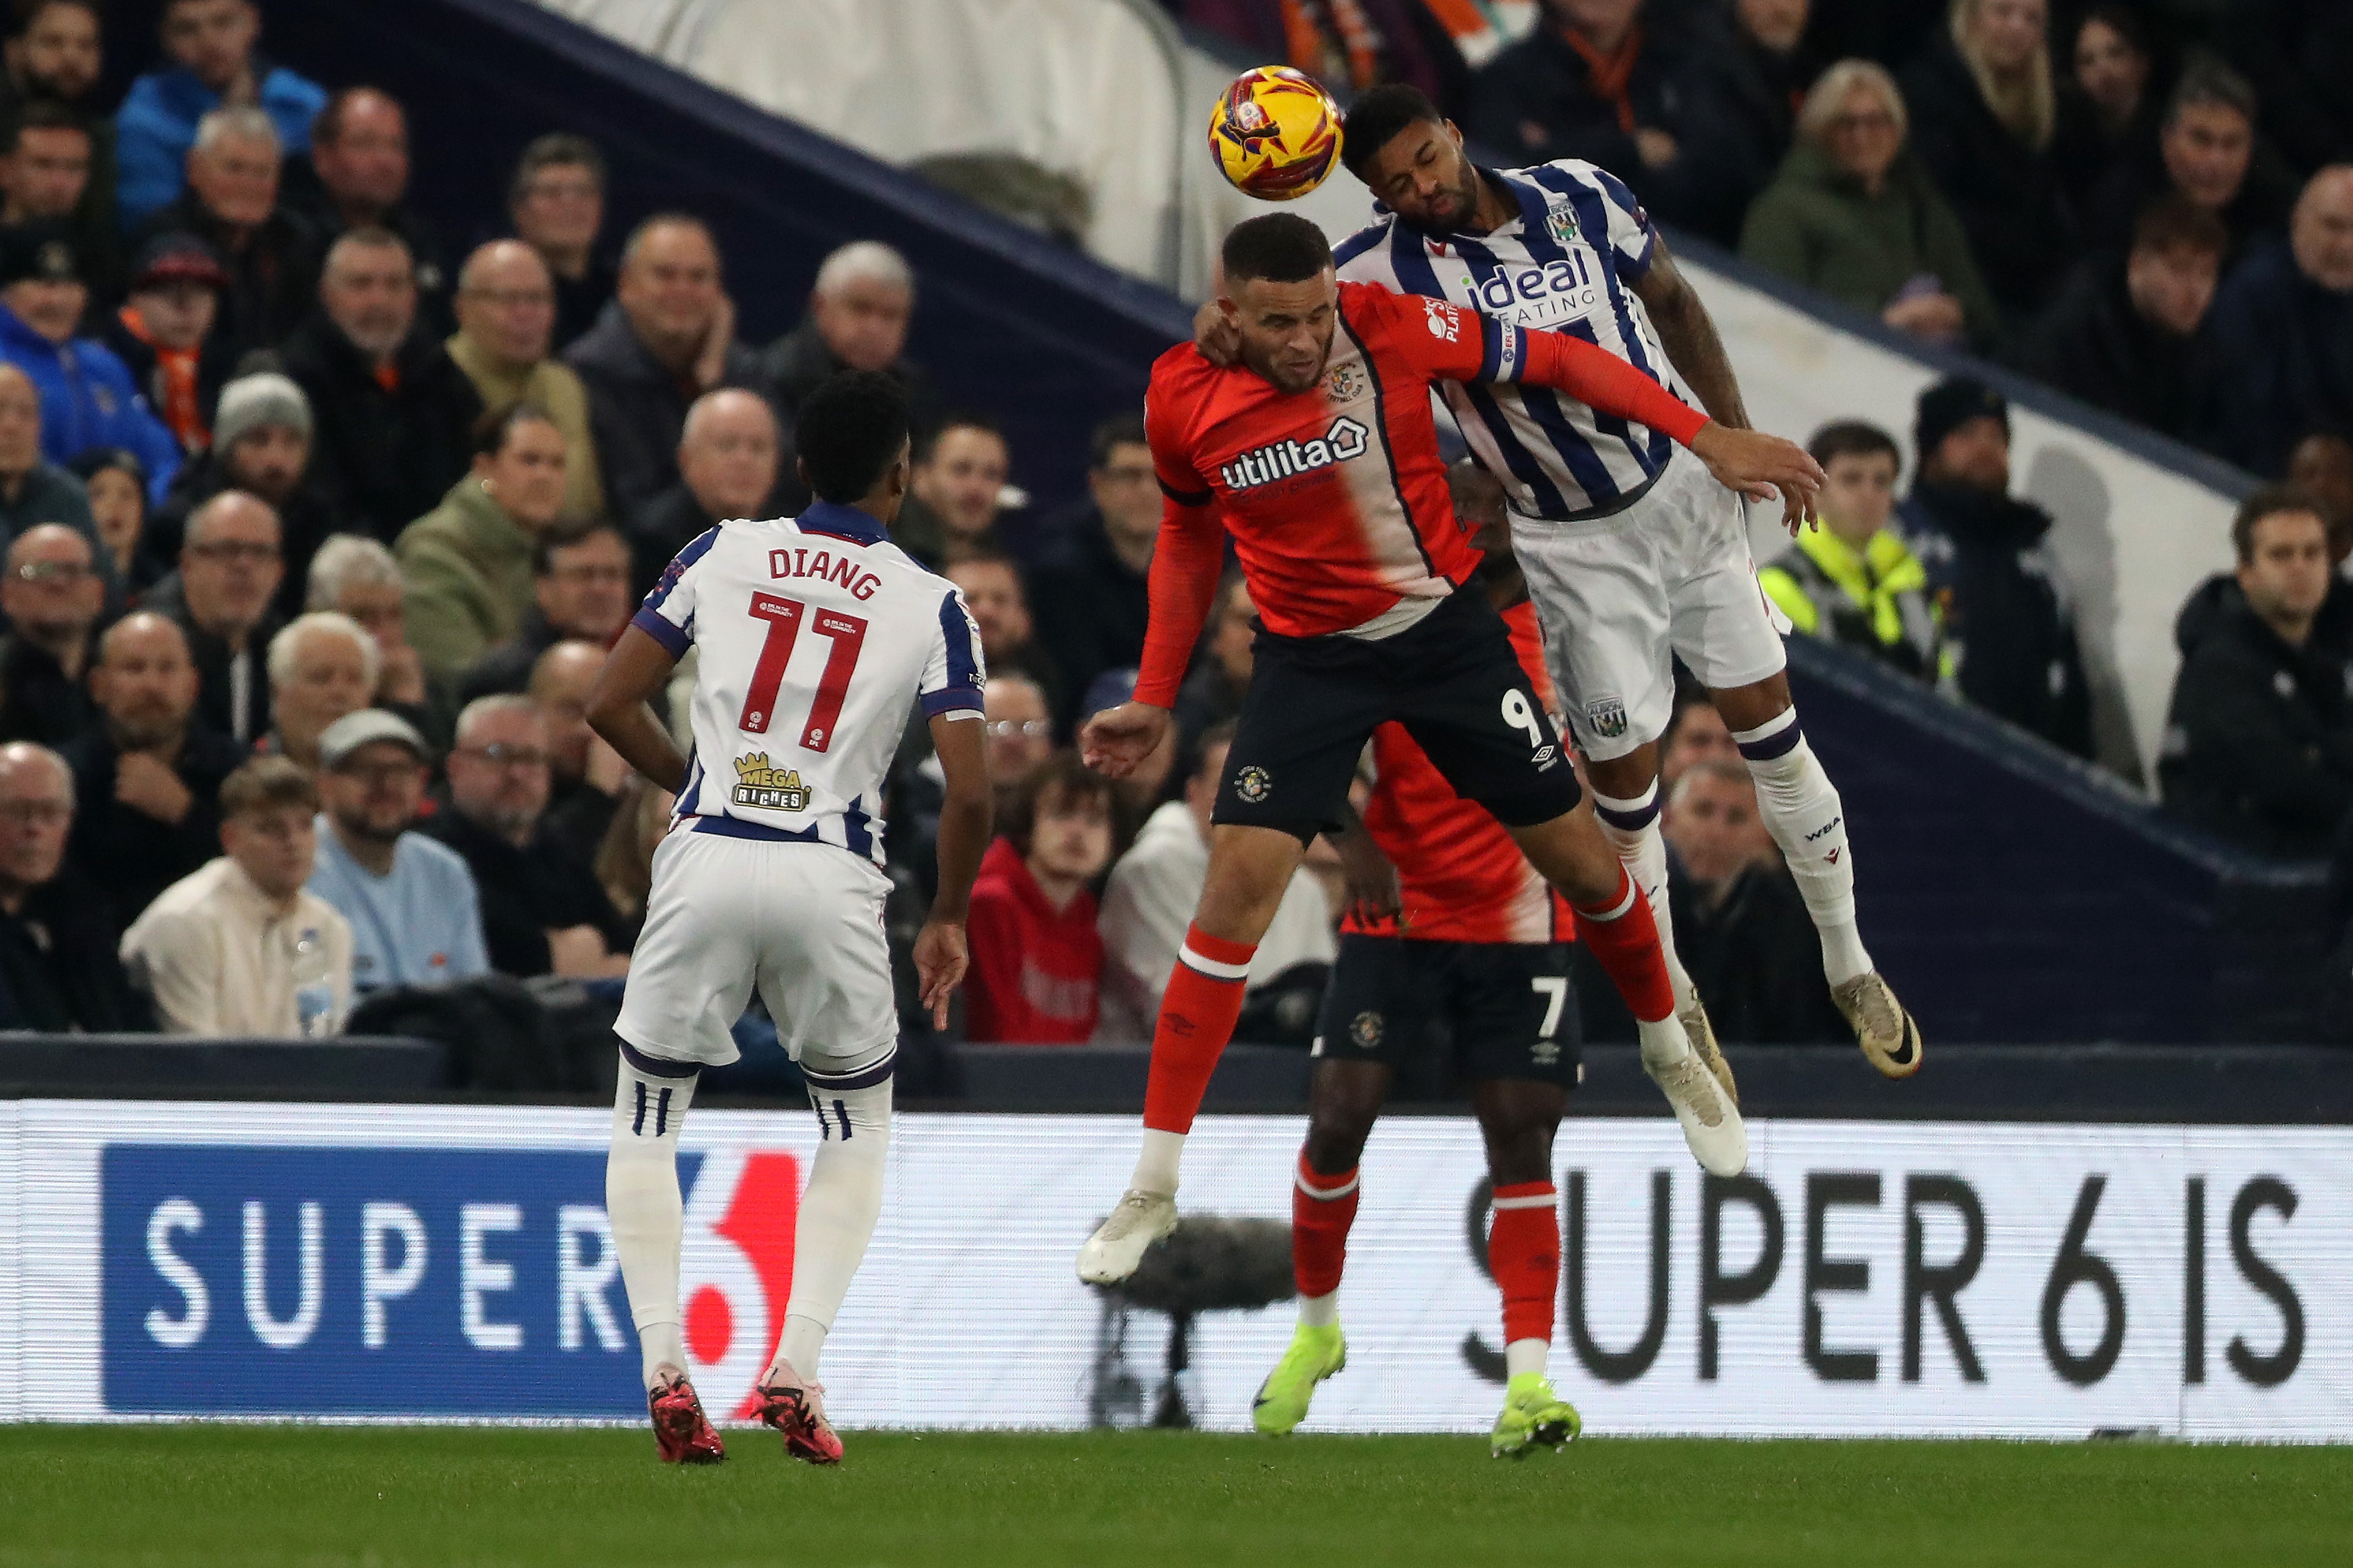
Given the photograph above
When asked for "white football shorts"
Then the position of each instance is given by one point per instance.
(803, 921)
(1617, 595)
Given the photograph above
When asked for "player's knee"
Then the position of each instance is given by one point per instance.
(651, 1096)
(1338, 1122)
(1517, 1122)
(1570, 852)
(1520, 1154)
(1758, 702)
(853, 1100)
(1250, 870)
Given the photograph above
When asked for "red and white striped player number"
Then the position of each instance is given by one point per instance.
(784, 618)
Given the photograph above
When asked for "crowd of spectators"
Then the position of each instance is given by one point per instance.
(316, 527)
(2101, 194)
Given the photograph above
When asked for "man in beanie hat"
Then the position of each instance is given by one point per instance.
(261, 444)
(165, 333)
(88, 398)
(2008, 624)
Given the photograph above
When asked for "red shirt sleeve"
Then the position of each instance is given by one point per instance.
(1602, 381)
(1441, 341)
(1187, 560)
(1446, 342)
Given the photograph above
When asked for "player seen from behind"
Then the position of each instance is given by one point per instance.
(816, 634)
(1456, 938)
(1632, 552)
(1318, 454)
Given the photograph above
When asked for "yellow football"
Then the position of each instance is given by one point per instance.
(1275, 132)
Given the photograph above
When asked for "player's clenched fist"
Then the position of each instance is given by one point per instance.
(1762, 467)
(1115, 742)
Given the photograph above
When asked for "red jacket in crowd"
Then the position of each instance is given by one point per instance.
(1036, 975)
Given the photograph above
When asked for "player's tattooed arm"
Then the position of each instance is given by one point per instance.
(618, 708)
(1689, 334)
(941, 954)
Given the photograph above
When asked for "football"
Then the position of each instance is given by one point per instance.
(1275, 132)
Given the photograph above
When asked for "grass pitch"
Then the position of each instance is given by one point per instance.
(390, 1496)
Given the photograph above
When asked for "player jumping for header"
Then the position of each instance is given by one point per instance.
(1319, 455)
(1631, 550)
(1457, 936)
(815, 635)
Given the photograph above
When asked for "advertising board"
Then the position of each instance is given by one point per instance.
(454, 1263)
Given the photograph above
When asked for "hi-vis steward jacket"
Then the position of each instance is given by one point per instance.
(1875, 599)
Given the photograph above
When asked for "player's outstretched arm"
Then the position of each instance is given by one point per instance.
(1184, 567)
(941, 955)
(1760, 466)
(618, 708)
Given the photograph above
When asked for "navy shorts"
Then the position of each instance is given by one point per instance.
(1452, 680)
(1508, 1009)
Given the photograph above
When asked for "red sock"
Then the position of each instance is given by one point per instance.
(1196, 1018)
(1624, 940)
(1524, 1251)
(1322, 1209)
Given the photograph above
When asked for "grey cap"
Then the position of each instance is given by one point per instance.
(250, 402)
(364, 728)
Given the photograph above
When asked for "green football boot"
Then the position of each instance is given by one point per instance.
(1534, 1416)
(1315, 1353)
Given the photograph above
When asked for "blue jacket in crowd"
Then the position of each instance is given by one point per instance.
(88, 399)
(157, 125)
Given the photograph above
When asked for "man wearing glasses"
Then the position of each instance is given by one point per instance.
(229, 568)
(543, 910)
(52, 595)
(1090, 590)
(416, 916)
(59, 972)
(506, 323)
(580, 592)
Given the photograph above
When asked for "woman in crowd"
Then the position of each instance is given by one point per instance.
(1854, 214)
(117, 481)
(2108, 106)
(1984, 111)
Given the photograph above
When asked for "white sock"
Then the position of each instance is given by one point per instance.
(1155, 1163)
(1319, 1312)
(1631, 827)
(1524, 1356)
(1802, 811)
(1663, 1043)
(641, 1200)
(840, 1206)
